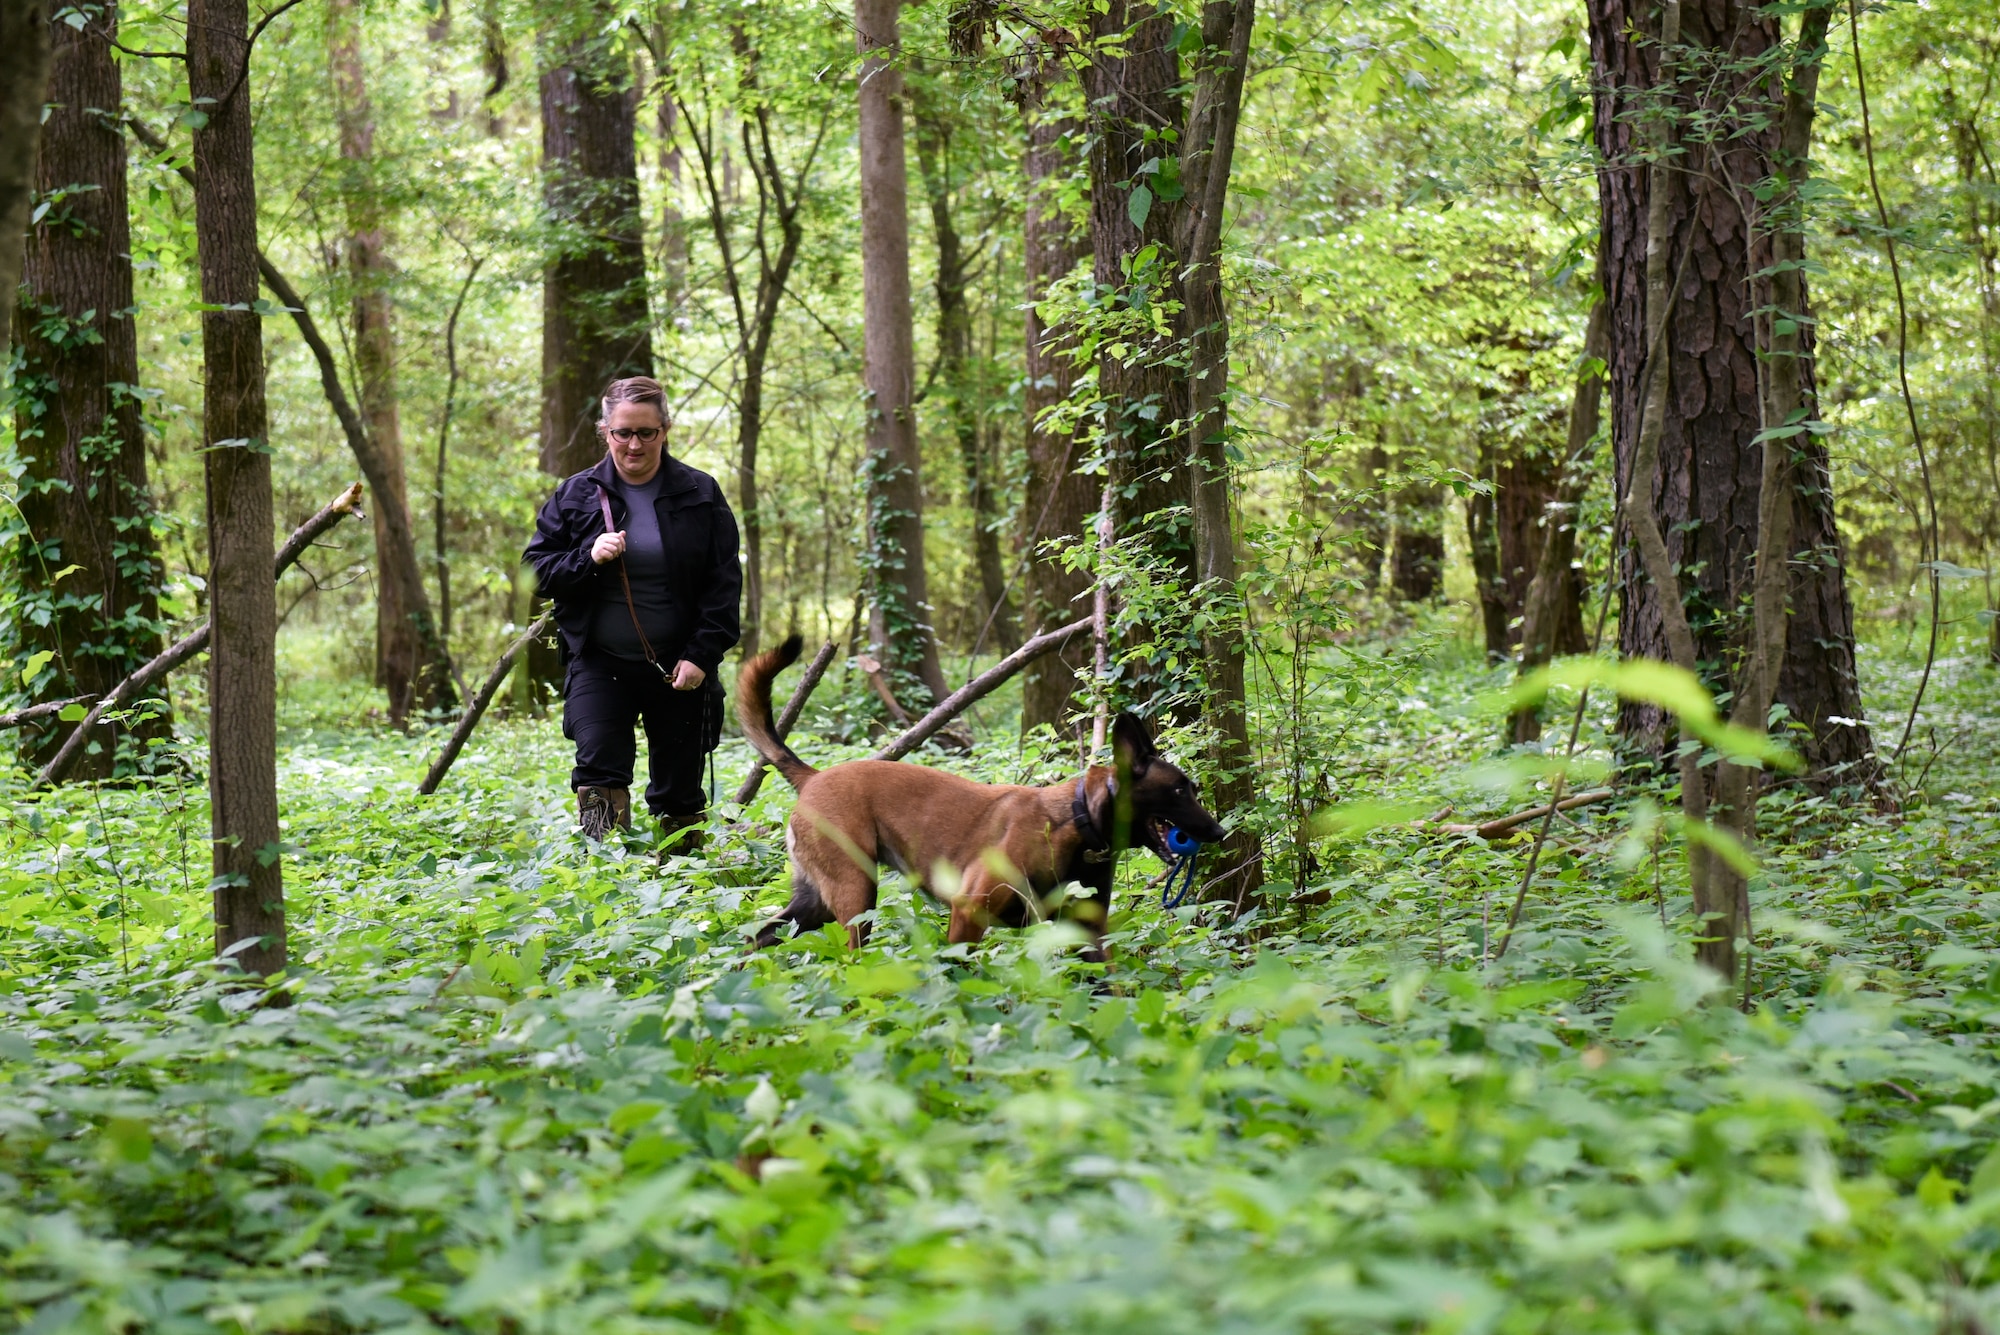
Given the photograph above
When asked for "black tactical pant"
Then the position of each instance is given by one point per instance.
(605, 698)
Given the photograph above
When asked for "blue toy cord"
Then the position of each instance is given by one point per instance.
(1187, 850)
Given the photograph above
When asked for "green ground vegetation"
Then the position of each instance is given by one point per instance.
(526, 1084)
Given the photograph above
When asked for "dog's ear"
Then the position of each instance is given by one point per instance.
(1132, 744)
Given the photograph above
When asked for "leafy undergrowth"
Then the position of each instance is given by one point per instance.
(525, 1085)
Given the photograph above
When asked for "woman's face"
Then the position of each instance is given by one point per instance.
(636, 435)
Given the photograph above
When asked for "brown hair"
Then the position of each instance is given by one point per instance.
(634, 389)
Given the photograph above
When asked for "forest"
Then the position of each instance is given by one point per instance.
(1534, 466)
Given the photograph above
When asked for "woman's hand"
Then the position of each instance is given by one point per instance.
(608, 547)
(687, 676)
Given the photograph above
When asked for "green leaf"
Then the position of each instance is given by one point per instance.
(1140, 206)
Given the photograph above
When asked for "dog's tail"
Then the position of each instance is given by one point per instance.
(753, 710)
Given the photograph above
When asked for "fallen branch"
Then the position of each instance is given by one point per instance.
(24, 716)
(196, 640)
(1505, 825)
(786, 718)
(978, 688)
(476, 710)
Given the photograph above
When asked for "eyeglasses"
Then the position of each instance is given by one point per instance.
(645, 435)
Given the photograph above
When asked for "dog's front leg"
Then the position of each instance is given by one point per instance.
(982, 897)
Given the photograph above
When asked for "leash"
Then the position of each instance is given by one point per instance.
(611, 526)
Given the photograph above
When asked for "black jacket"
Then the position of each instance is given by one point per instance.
(697, 530)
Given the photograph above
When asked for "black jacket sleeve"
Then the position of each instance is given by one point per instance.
(718, 616)
(560, 550)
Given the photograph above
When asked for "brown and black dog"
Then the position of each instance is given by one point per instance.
(1008, 844)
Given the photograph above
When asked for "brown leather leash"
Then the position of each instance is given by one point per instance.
(611, 526)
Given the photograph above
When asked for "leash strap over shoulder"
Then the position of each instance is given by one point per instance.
(611, 526)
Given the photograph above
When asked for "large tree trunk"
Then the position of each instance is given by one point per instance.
(595, 326)
(958, 373)
(1166, 401)
(1208, 150)
(900, 615)
(24, 74)
(87, 565)
(400, 600)
(243, 611)
(1130, 97)
(1707, 487)
(1059, 499)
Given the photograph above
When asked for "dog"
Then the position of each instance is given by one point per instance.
(1009, 845)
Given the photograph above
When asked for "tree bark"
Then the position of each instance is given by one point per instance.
(399, 667)
(959, 376)
(87, 563)
(24, 74)
(1710, 473)
(243, 612)
(1059, 499)
(1790, 414)
(595, 325)
(900, 613)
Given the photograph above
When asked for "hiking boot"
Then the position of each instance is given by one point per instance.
(598, 810)
(683, 834)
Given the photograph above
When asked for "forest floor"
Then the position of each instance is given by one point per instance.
(530, 1085)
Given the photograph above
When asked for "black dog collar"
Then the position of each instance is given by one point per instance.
(1096, 848)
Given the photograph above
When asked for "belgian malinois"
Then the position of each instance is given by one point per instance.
(1008, 845)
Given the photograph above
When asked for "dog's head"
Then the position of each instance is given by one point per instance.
(1154, 794)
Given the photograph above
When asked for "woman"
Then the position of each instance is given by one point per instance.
(638, 554)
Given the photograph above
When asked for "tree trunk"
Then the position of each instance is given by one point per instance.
(1552, 611)
(595, 325)
(1130, 97)
(1208, 148)
(958, 373)
(399, 666)
(1482, 533)
(1416, 544)
(243, 611)
(24, 74)
(900, 618)
(1710, 472)
(1059, 500)
(87, 564)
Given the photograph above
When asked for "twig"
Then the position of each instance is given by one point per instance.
(347, 503)
(1504, 826)
(476, 710)
(978, 688)
(788, 717)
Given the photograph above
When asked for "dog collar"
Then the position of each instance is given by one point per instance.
(1096, 848)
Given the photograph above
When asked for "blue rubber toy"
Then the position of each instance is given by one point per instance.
(1185, 849)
